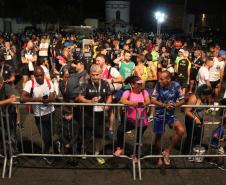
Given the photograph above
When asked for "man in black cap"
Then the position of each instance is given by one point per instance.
(76, 82)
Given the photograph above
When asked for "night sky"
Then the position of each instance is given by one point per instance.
(74, 11)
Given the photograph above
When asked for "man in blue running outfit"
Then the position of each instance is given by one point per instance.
(167, 95)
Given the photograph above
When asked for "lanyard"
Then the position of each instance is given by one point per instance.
(29, 52)
(196, 60)
(97, 91)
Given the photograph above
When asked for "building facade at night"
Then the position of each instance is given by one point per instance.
(117, 14)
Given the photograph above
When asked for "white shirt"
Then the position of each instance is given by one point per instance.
(38, 92)
(45, 46)
(46, 71)
(114, 72)
(203, 75)
(215, 70)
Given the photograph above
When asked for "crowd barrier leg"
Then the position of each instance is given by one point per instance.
(9, 143)
(10, 152)
(138, 141)
(4, 156)
(10, 167)
(4, 167)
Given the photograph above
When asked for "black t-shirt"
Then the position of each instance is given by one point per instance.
(5, 92)
(101, 90)
(183, 66)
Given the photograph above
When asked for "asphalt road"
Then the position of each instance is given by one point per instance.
(31, 176)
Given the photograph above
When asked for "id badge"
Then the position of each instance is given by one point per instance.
(30, 66)
(28, 56)
(8, 57)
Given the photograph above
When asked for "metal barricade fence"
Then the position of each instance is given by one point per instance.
(84, 136)
(196, 145)
(3, 153)
(51, 136)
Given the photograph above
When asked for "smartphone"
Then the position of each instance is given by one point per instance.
(140, 104)
(45, 97)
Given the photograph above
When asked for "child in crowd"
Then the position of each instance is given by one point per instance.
(68, 133)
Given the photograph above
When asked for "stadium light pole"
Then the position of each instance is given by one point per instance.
(160, 18)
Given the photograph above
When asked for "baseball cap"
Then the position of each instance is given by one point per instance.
(222, 52)
(8, 71)
(67, 44)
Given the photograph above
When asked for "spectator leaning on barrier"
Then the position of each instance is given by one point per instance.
(7, 97)
(41, 90)
(96, 91)
(136, 98)
(167, 95)
(194, 117)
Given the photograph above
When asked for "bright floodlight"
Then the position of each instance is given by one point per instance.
(159, 16)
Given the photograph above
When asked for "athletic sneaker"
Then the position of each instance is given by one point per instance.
(58, 144)
(48, 160)
(191, 159)
(100, 160)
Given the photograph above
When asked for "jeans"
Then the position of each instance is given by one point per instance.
(44, 126)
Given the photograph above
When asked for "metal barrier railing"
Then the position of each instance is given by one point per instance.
(199, 137)
(3, 154)
(88, 143)
(87, 135)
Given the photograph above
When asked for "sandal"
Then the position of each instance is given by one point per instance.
(160, 162)
(166, 158)
(118, 152)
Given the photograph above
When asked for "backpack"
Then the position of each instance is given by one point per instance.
(114, 86)
(29, 107)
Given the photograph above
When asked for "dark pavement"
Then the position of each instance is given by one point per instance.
(31, 176)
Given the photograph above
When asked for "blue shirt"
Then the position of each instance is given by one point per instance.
(172, 93)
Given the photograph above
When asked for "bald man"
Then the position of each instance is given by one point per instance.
(41, 90)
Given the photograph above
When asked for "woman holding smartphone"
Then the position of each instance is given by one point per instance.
(136, 98)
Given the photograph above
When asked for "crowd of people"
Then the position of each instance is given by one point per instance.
(135, 69)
